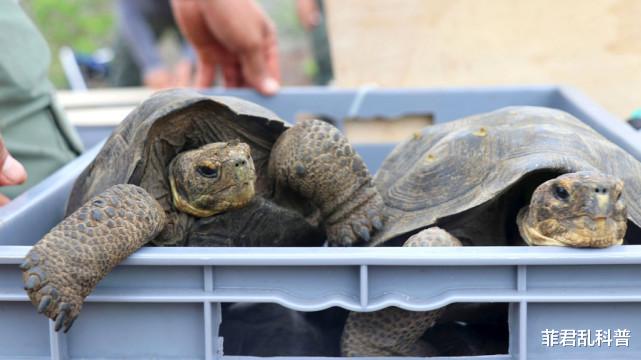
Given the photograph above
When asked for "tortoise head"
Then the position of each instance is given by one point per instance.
(213, 178)
(582, 209)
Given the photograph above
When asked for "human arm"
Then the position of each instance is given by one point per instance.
(234, 34)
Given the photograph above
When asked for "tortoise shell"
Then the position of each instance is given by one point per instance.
(450, 168)
(142, 146)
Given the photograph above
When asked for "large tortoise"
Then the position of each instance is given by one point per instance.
(515, 176)
(185, 169)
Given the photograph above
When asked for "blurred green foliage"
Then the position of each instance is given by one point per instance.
(88, 25)
(84, 25)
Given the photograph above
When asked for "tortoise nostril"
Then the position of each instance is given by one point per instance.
(241, 163)
(601, 190)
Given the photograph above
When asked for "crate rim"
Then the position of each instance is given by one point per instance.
(378, 256)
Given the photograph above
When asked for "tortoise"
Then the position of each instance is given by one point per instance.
(515, 176)
(184, 169)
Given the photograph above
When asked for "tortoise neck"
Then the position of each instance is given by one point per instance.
(525, 231)
(184, 206)
(529, 233)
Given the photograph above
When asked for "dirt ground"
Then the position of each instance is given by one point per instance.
(594, 46)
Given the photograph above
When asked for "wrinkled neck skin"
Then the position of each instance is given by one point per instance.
(182, 204)
(222, 206)
(530, 235)
(533, 237)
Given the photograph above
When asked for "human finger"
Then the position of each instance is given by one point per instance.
(4, 200)
(12, 172)
(193, 26)
(205, 71)
(258, 70)
(271, 53)
(183, 71)
(232, 74)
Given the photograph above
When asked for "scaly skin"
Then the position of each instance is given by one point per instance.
(315, 160)
(594, 214)
(63, 268)
(393, 331)
(583, 209)
(312, 159)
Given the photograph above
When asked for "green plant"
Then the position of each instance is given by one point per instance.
(83, 25)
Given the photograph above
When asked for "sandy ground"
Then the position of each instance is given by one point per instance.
(594, 46)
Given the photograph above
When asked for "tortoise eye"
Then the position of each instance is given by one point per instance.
(561, 193)
(207, 172)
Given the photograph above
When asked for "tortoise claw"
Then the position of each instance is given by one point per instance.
(45, 294)
(363, 233)
(361, 225)
(29, 261)
(37, 271)
(377, 223)
(347, 240)
(44, 303)
(63, 318)
(69, 325)
(32, 282)
(26, 264)
(60, 320)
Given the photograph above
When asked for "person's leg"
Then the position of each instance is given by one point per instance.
(321, 50)
(123, 70)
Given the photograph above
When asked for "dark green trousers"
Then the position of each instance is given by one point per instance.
(33, 127)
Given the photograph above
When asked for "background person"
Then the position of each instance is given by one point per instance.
(311, 15)
(137, 57)
(34, 129)
(233, 34)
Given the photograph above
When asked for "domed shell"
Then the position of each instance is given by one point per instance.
(171, 122)
(450, 168)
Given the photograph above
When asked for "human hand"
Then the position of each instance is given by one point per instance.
(158, 78)
(308, 14)
(234, 34)
(183, 74)
(11, 171)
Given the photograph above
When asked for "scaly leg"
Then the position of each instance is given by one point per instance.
(63, 268)
(393, 331)
(315, 160)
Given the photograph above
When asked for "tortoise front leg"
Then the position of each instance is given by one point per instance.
(393, 331)
(315, 160)
(63, 268)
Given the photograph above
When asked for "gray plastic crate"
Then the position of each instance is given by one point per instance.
(164, 303)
